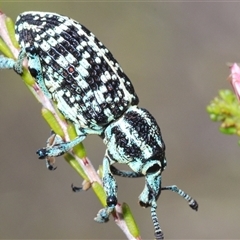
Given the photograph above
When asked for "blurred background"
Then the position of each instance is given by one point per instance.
(175, 54)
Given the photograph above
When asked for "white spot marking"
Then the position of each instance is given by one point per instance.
(97, 60)
(70, 58)
(62, 62)
(85, 63)
(44, 46)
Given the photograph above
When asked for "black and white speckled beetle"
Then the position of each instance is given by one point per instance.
(75, 70)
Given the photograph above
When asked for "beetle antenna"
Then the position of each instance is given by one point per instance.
(192, 203)
(157, 229)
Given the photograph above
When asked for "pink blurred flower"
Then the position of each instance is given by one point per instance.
(234, 79)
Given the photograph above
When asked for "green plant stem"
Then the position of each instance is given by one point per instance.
(76, 158)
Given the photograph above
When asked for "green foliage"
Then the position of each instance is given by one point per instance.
(225, 109)
(130, 222)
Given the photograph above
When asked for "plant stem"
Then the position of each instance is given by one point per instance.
(79, 162)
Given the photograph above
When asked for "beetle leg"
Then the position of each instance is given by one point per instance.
(51, 141)
(35, 68)
(16, 65)
(110, 188)
(59, 148)
(85, 186)
(6, 63)
(76, 189)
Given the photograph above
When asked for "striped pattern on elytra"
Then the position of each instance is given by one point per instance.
(75, 70)
(79, 72)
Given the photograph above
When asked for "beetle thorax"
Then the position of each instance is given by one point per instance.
(134, 137)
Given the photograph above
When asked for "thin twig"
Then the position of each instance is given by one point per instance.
(84, 162)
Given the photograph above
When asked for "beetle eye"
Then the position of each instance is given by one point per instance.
(32, 50)
(33, 72)
(154, 168)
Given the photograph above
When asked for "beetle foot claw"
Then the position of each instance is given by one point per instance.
(42, 153)
(103, 214)
(76, 189)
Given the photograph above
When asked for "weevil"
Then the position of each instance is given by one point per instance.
(76, 71)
